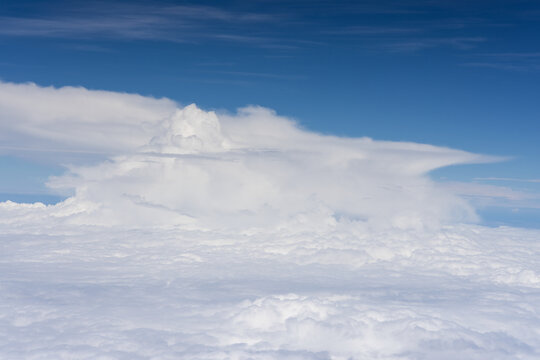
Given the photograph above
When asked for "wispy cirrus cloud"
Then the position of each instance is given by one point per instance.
(414, 26)
(519, 61)
(372, 30)
(411, 45)
(289, 27)
(488, 195)
(250, 74)
(507, 179)
(179, 23)
(409, 36)
(413, 34)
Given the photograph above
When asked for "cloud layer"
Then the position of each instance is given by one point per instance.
(244, 236)
(170, 165)
(463, 292)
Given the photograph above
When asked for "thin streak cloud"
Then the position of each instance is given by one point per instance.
(128, 22)
(507, 61)
(460, 43)
(507, 179)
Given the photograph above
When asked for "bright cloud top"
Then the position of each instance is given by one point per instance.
(172, 165)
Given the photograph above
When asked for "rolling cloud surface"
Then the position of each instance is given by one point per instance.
(244, 236)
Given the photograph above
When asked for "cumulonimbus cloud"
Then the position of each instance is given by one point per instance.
(183, 165)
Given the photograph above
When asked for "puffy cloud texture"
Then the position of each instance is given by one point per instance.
(171, 165)
(244, 236)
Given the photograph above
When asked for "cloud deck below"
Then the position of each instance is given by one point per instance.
(461, 292)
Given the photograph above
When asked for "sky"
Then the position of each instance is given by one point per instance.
(461, 74)
(303, 180)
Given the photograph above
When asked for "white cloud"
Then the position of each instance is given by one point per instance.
(76, 119)
(170, 165)
(244, 236)
(483, 195)
(128, 21)
(498, 179)
(347, 292)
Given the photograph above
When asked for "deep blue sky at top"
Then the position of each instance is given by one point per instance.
(464, 74)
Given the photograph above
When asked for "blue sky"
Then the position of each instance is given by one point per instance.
(462, 74)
